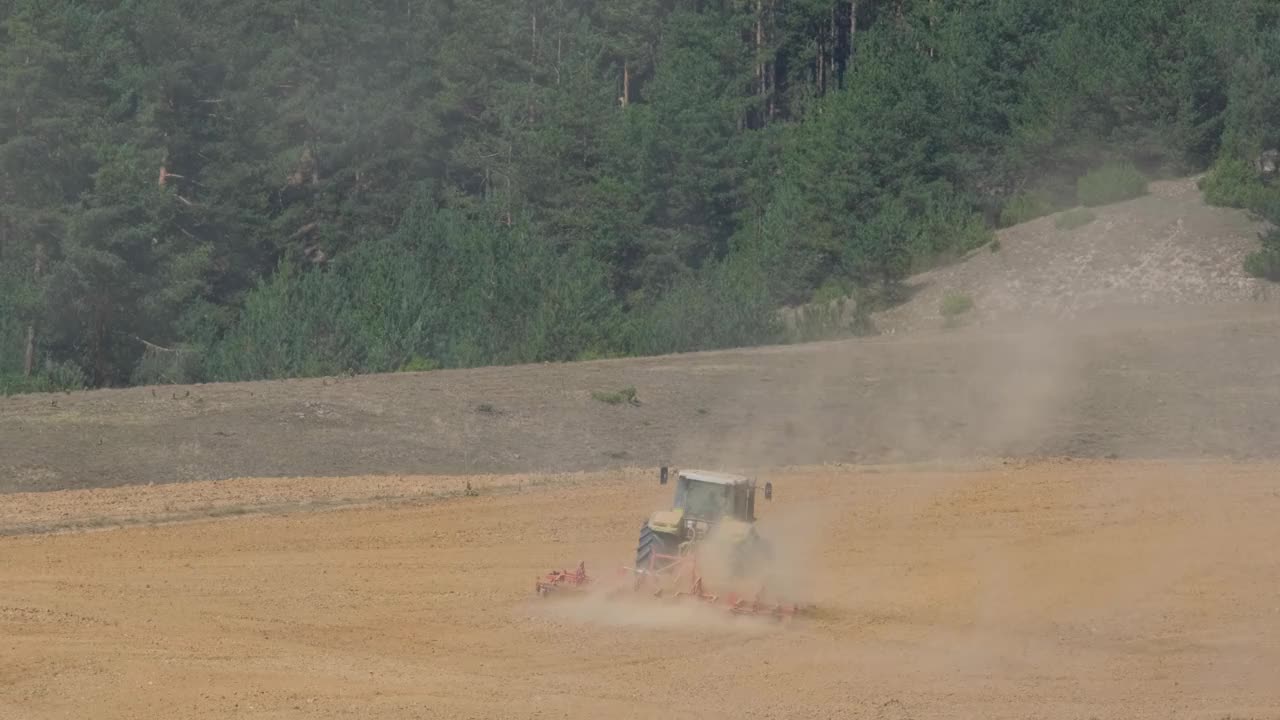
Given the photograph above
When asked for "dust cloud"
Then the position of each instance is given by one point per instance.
(629, 610)
(996, 393)
(971, 393)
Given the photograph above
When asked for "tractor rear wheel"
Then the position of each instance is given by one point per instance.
(652, 543)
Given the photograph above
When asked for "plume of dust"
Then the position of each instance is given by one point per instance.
(787, 572)
(976, 392)
(607, 606)
(797, 534)
(788, 575)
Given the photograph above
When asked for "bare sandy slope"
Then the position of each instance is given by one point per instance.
(1136, 336)
(1164, 249)
(1173, 383)
(1058, 590)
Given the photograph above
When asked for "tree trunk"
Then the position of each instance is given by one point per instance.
(29, 353)
(760, 76)
(29, 357)
(853, 30)
(533, 61)
(100, 319)
(626, 84)
(822, 64)
(760, 46)
(831, 72)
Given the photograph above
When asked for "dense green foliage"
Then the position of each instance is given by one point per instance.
(1023, 207)
(209, 191)
(438, 291)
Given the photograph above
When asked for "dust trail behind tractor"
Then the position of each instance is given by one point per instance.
(703, 550)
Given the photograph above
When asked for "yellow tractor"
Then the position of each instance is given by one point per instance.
(705, 549)
(707, 504)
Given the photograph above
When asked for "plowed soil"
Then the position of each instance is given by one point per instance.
(1064, 589)
(366, 547)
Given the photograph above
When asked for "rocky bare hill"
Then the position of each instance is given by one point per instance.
(1165, 249)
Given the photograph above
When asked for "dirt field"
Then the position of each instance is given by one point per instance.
(1055, 589)
(1181, 382)
(306, 548)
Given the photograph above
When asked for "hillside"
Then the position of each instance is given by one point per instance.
(327, 329)
(284, 192)
(1182, 370)
(1167, 249)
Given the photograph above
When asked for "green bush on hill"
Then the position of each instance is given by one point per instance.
(955, 304)
(1263, 264)
(1232, 183)
(1023, 207)
(1111, 183)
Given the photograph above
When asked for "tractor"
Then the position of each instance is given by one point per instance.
(706, 504)
(710, 530)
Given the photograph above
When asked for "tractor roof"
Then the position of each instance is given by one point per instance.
(711, 476)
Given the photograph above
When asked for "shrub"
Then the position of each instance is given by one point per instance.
(1023, 207)
(1264, 263)
(598, 354)
(726, 304)
(625, 395)
(63, 377)
(1113, 182)
(1231, 183)
(164, 366)
(417, 363)
(955, 304)
(1072, 219)
(943, 233)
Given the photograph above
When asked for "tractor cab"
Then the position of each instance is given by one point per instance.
(712, 496)
(705, 498)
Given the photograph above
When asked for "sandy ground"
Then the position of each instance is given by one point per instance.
(1168, 384)
(1050, 589)
(1164, 249)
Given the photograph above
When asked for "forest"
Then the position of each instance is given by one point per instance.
(197, 191)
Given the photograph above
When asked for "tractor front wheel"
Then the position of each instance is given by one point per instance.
(652, 543)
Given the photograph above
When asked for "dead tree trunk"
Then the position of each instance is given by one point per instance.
(853, 30)
(831, 72)
(626, 83)
(760, 80)
(29, 353)
(822, 64)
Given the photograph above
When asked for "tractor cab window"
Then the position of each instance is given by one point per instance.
(707, 500)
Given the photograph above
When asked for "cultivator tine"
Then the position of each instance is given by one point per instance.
(558, 580)
(676, 570)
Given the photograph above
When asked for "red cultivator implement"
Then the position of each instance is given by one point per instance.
(677, 577)
(558, 580)
(672, 578)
